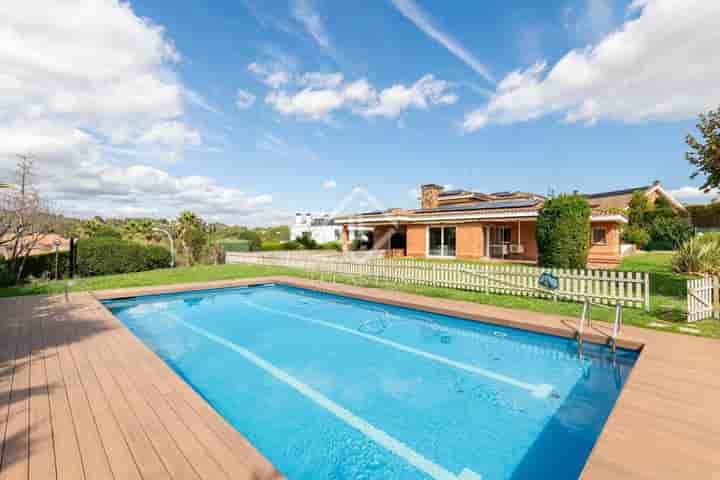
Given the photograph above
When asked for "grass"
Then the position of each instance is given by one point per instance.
(667, 291)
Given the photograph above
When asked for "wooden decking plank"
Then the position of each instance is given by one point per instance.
(196, 453)
(94, 458)
(148, 461)
(225, 455)
(234, 441)
(170, 453)
(16, 447)
(9, 329)
(68, 460)
(118, 452)
(42, 451)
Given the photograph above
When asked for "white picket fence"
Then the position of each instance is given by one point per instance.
(702, 298)
(609, 287)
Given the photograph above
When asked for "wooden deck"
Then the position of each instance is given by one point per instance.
(81, 397)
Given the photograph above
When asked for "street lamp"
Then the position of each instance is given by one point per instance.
(172, 244)
(57, 244)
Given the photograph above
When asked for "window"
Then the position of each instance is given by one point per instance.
(599, 236)
(337, 234)
(441, 242)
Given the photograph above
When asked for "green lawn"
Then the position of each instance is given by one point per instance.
(667, 297)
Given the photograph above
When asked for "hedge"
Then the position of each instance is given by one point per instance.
(107, 256)
(563, 232)
(38, 265)
(230, 245)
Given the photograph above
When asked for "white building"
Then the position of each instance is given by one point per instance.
(322, 228)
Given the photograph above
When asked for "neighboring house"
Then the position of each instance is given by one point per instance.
(322, 228)
(46, 244)
(473, 225)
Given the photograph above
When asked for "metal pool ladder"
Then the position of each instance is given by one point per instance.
(586, 320)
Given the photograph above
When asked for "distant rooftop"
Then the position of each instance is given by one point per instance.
(486, 205)
(613, 193)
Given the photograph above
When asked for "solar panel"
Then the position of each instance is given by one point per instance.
(492, 204)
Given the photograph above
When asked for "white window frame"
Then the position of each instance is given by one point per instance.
(593, 236)
(442, 240)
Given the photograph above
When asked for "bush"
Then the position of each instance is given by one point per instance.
(108, 256)
(39, 265)
(331, 246)
(672, 231)
(279, 246)
(563, 232)
(307, 241)
(636, 235)
(231, 245)
(5, 276)
(698, 255)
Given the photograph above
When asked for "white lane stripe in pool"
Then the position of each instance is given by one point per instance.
(537, 390)
(378, 436)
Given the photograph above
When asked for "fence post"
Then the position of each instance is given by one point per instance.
(716, 297)
(646, 283)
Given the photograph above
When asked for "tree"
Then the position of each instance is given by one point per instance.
(639, 209)
(704, 154)
(25, 218)
(96, 227)
(139, 230)
(563, 232)
(190, 231)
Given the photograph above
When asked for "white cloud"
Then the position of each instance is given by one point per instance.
(312, 104)
(274, 77)
(71, 171)
(422, 20)
(304, 12)
(426, 91)
(244, 99)
(171, 133)
(660, 65)
(321, 80)
(329, 184)
(89, 89)
(360, 97)
(101, 69)
(689, 194)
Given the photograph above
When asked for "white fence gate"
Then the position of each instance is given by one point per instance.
(608, 287)
(702, 298)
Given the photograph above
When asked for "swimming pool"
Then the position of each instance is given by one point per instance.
(333, 387)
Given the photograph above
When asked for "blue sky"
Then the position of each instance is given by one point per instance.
(255, 109)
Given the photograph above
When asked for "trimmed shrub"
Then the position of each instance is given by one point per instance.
(39, 265)
(563, 232)
(279, 246)
(231, 245)
(636, 235)
(335, 245)
(5, 276)
(107, 256)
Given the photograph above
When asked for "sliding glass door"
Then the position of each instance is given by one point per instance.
(441, 242)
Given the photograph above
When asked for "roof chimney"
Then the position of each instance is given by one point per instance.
(429, 194)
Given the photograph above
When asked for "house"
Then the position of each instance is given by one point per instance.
(45, 244)
(473, 225)
(322, 228)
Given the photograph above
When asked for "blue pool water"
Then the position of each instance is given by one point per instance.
(332, 387)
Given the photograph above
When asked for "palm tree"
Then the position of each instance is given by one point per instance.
(189, 229)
